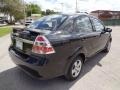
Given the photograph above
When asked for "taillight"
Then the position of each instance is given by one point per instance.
(40, 38)
(42, 46)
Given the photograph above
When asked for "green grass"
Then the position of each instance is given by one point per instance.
(5, 30)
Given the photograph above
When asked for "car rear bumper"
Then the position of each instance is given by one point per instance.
(39, 68)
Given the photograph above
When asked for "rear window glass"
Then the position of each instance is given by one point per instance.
(48, 22)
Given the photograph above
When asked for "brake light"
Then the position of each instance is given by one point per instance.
(42, 46)
(40, 39)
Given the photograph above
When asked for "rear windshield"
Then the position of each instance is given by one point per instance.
(48, 22)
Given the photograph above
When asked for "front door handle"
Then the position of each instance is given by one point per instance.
(84, 38)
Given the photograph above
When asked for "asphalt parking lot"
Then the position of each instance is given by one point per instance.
(102, 72)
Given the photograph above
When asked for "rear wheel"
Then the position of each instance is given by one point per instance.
(74, 69)
(107, 49)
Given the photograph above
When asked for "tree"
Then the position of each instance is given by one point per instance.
(32, 9)
(48, 12)
(43, 13)
(13, 8)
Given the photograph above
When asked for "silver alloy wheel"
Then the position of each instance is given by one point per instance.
(76, 68)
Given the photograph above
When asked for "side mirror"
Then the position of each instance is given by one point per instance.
(108, 30)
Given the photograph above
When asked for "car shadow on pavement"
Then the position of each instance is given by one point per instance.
(16, 79)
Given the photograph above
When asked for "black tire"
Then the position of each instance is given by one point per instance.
(107, 48)
(70, 75)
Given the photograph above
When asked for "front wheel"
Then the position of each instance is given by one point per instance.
(74, 69)
(107, 49)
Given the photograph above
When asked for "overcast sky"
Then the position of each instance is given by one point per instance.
(83, 5)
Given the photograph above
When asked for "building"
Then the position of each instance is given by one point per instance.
(106, 14)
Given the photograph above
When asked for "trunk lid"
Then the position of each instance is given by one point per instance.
(23, 40)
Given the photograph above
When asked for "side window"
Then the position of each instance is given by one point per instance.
(83, 25)
(67, 26)
(97, 24)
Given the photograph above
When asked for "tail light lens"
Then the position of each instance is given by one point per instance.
(42, 46)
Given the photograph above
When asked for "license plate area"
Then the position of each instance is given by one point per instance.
(19, 44)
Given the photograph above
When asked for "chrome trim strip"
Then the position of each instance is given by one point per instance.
(24, 40)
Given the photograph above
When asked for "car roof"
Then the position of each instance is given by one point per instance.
(74, 15)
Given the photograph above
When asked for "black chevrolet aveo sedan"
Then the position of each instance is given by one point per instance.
(59, 44)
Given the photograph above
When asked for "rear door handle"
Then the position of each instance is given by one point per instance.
(83, 39)
(94, 36)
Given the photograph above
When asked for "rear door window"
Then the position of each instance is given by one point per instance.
(67, 26)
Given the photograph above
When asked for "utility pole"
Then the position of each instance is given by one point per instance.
(76, 10)
(24, 10)
(62, 4)
(31, 8)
